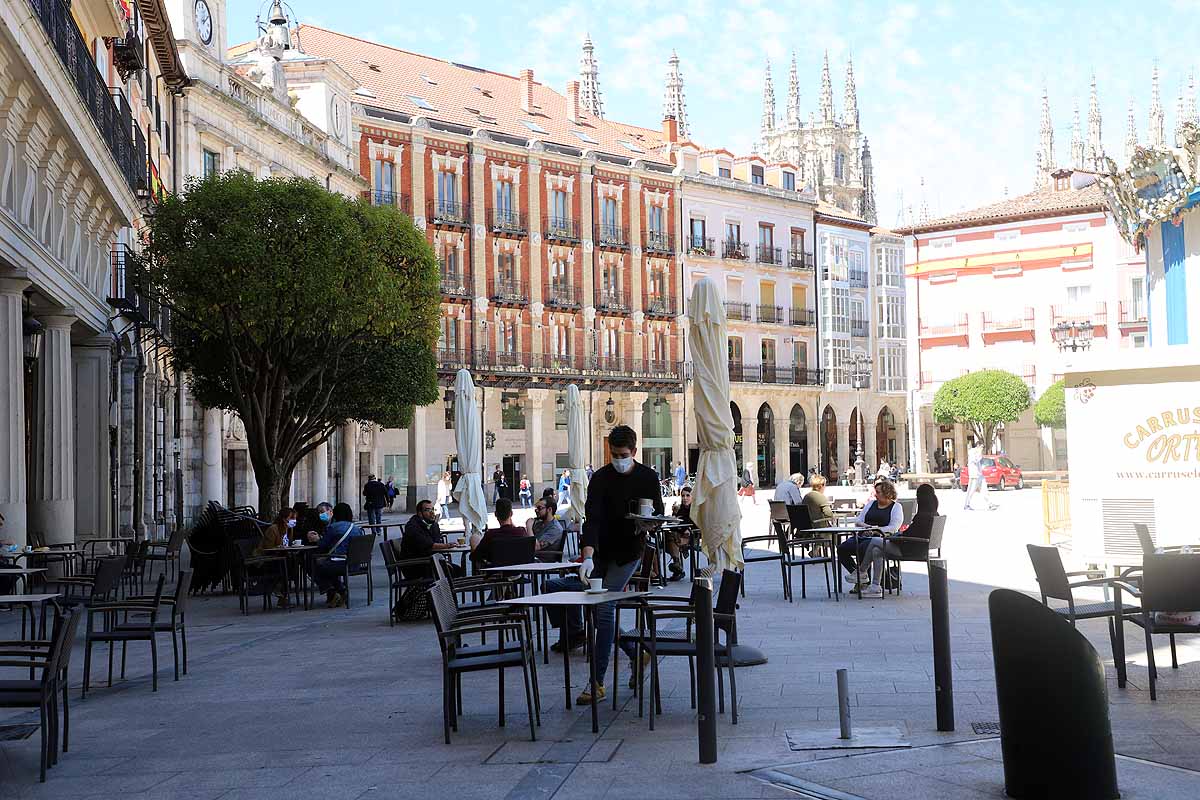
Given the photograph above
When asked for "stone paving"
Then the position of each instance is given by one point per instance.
(334, 703)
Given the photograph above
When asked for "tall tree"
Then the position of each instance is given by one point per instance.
(296, 308)
(983, 401)
(1050, 411)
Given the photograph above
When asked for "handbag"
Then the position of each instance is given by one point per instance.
(413, 605)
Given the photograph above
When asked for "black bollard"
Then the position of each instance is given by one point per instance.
(706, 672)
(943, 678)
(1055, 733)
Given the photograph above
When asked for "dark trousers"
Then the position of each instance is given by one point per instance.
(329, 575)
(374, 515)
(850, 552)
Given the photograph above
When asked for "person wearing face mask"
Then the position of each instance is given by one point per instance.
(611, 548)
(283, 525)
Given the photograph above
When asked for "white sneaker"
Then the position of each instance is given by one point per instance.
(872, 590)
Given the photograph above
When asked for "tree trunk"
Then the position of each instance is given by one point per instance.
(274, 487)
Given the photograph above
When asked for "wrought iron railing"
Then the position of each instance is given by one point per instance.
(660, 306)
(798, 259)
(737, 310)
(612, 300)
(448, 212)
(455, 283)
(397, 199)
(616, 236)
(510, 290)
(802, 317)
(701, 246)
(506, 221)
(733, 249)
(770, 314)
(562, 229)
(562, 294)
(765, 254)
(658, 242)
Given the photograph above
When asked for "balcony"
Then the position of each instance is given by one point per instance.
(505, 222)
(954, 332)
(508, 291)
(802, 317)
(112, 119)
(394, 199)
(800, 260)
(1098, 316)
(613, 237)
(701, 246)
(859, 328)
(858, 278)
(561, 294)
(449, 213)
(455, 284)
(736, 310)
(612, 301)
(773, 374)
(1132, 316)
(765, 254)
(772, 315)
(125, 290)
(658, 242)
(1016, 328)
(732, 249)
(560, 229)
(660, 306)
(127, 52)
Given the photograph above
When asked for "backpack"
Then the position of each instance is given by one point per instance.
(413, 605)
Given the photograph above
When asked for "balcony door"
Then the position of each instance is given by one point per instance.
(766, 293)
(735, 350)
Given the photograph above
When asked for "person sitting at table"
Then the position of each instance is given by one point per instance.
(422, 538)
(820, 510)
(327, 572)
(283, 525)
(788, 490)
(676, 539)
(883, 513)
(548, 530)
(319, 521)
(481, 550)
(911, 542)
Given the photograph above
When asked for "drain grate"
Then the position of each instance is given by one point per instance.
(986, 728)
(15, 733)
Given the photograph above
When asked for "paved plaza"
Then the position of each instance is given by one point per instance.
(334, 703)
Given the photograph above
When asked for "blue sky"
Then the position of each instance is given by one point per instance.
(948, 92)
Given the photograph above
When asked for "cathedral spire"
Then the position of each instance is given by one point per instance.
(674, 103)
(768, 109)
(1156, 112)
(1180, 118)
(1094, 150)
(1045, 156)
(826, 92)
(868, 181)
(1190, 100)
(793, 102)
(589, 81)
(1131, 137)
(1076, 141)
(850, 112)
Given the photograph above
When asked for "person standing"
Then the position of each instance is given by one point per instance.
(525, 493)
(374, 499)
(391, 492)
(589, 471)
(611, 548)
(564, 487)
(680, 476)
(444, 491)
(747, 484)
(976, 482)
(497, 483)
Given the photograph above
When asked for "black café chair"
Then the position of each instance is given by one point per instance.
(805, 550)
(779, 536)
(359, 550)
(1168, 582)
(110, 631)
(253, 574)
(165, 553)
(910, 548)
(175, 624)
(397, 582)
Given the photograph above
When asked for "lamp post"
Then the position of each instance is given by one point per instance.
(1072, 335)
(860, 377)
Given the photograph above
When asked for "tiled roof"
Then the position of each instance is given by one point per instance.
(1044, 202)
(830, 210)
(420, 85)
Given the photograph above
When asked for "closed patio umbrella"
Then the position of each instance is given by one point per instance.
(577, 448)
(467, 424)
(714, 505)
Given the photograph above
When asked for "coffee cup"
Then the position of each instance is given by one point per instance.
(595, 584)
(28, 548)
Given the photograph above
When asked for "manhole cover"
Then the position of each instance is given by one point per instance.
(15, 733)
(987, 728)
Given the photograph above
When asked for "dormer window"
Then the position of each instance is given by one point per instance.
(789, 181)
(756, 175)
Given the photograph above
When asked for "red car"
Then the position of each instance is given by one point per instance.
(999, 472)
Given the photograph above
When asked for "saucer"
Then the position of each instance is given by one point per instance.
(595, 591)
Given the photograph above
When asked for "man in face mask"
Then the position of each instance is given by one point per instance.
(611, 548)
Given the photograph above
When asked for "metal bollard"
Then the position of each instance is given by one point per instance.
(843, 690)
(706, 672)
(943, 679)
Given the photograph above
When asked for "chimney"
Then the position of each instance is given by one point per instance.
(670, 129)
(527, 91)
(573, 101)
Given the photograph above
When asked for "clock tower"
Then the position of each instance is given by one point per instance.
(202, 24)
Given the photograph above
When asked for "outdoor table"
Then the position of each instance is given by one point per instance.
(536, 570)
(652, 525)
(300, 555)
(587, 601)
(89, 547)
(24, 573)
(31, 600)
(834, 533)
(64, 555)
(380, 527)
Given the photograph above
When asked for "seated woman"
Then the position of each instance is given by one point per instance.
(283, 525)
(327, 572)
(820, 510)
(913, 541)
(883, 513)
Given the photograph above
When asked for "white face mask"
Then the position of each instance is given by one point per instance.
(623, 465)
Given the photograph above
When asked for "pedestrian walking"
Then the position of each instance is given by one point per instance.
(374, 499)
(976, 482)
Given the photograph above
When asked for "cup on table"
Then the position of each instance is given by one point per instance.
(595, 584)
(28, 548)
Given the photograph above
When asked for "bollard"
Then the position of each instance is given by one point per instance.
(843, 689)
(706, 671)
(943, 680)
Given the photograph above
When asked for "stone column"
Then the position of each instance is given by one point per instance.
(480, 255)
(678, 440)
(320, 473)
(750, 442)
(348, 488)
(52, 488)
(210, 478)
(417, 456)
(587, 231)
(813, 435)
(12, 411)
(633, 418)
(1046, 451)
(783, 453)
(535, 403)
(870, 447)
(92, 364)
(844, 457)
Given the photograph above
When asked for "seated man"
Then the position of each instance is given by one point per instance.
(548, 530)
(820, 510)
(422, 538)
(328, 572)
(788, 490)
(481, 551)
(678, 538)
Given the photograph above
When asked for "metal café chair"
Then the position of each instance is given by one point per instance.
(1168, 582)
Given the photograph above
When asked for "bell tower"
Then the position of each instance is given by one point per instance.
(202, 24)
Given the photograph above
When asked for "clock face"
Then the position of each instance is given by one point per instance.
(203, 22)
(335, 113)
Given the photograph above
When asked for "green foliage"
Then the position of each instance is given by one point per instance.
(295, 307)
(1051, 408)
(982, 400)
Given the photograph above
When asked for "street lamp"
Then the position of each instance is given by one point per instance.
(1073, 336)
(860, 377)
